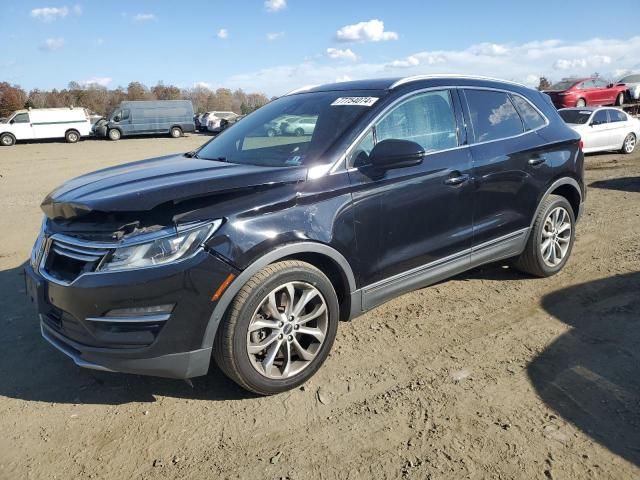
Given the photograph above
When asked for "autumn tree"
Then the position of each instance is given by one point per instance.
(137, 91)
(544, 84)
(12, 98)
(169, 92)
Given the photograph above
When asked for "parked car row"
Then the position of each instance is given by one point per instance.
(296, 125)
(215, 121)
(594, 91)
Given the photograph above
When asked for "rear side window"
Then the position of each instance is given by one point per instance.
(617, 116)
(426, 119)
(530, 116)
(493, 116)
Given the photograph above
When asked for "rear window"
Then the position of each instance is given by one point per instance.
(493, 116)
(563, 85)
(630, 79)
(575, 117)
(530, 116)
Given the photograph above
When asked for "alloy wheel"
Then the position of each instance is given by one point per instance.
(556, 237)
(630, 143)
(287, 330)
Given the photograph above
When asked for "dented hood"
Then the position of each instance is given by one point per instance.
(143, 185)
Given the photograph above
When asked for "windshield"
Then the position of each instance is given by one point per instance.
(563, 85)
(575, 117)
(630, 79)
(293, 130)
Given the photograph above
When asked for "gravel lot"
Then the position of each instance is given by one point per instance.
(490, 375)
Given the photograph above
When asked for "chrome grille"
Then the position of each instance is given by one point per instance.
(66, 258)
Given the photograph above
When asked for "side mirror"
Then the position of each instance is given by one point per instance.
(12, 121)
(116, 118)
(392, 153)
(610, 85)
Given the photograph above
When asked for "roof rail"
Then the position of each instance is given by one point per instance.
(301, 89)
(416, 78)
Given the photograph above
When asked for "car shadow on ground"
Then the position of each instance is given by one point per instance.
(33, 370)
(591, 374)
(624, 184)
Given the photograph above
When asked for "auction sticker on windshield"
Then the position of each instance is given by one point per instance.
(357, 101)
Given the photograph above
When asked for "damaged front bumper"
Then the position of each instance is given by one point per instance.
(78, 319)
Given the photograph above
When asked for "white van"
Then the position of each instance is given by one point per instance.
(40, 123)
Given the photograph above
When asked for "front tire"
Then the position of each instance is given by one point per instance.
(551, 239)
(114, 134)
(629, 144)
(7, 140)
(620, 99)
(279, 329)
(72, 136)
(176, 132)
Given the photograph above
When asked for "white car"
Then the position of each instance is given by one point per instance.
(632, 81)
(41, 123)
(214, 119)
(603, 129)
(299, 126)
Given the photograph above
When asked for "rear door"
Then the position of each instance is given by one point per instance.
(619, 127)
(21, 127)
(414, 217)
(510, 164)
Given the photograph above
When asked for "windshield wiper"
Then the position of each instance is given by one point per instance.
(192, 154)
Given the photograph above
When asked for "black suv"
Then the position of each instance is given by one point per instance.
(252, 248)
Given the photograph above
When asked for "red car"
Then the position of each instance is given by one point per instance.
(586, 91)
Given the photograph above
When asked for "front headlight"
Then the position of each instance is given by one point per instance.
(163, 250)
(36, 251)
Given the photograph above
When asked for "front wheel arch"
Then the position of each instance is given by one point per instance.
(289, 251)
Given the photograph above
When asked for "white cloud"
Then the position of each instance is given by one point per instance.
(275, 5)
(49, 14)
(524, 62)
(202, 85)
(371, 31)
(145, 17)
(223, 34)
(341, 54)
(274, 36)
(99, 81)
(51, 44)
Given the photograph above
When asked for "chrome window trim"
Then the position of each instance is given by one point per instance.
(342, 159)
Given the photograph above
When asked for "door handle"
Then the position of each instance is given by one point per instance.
(537, 161)
(459, 179)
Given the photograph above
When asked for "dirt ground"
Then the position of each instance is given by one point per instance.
(490, 375)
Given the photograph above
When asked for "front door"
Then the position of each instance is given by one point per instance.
(598, 137)
(413, 219)
(21, 127)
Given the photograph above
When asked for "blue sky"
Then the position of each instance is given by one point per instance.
(276, 45)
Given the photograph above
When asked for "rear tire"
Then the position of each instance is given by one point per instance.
(72, 136)
(176, 132)
(620, 99)
(581, 103)
(629, 144)
(269, 344)
(7, 140)
(551, 239)
(114, 134)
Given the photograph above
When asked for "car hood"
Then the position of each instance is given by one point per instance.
(143, 185)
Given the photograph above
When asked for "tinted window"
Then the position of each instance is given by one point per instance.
(493, 116)
(125, 114)
(426, 119)
(575, 117)
(21, 118)
(530, 116)
(588, 84)
(600, 83)
(600, 117)
(563, 85)
(617, 116)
